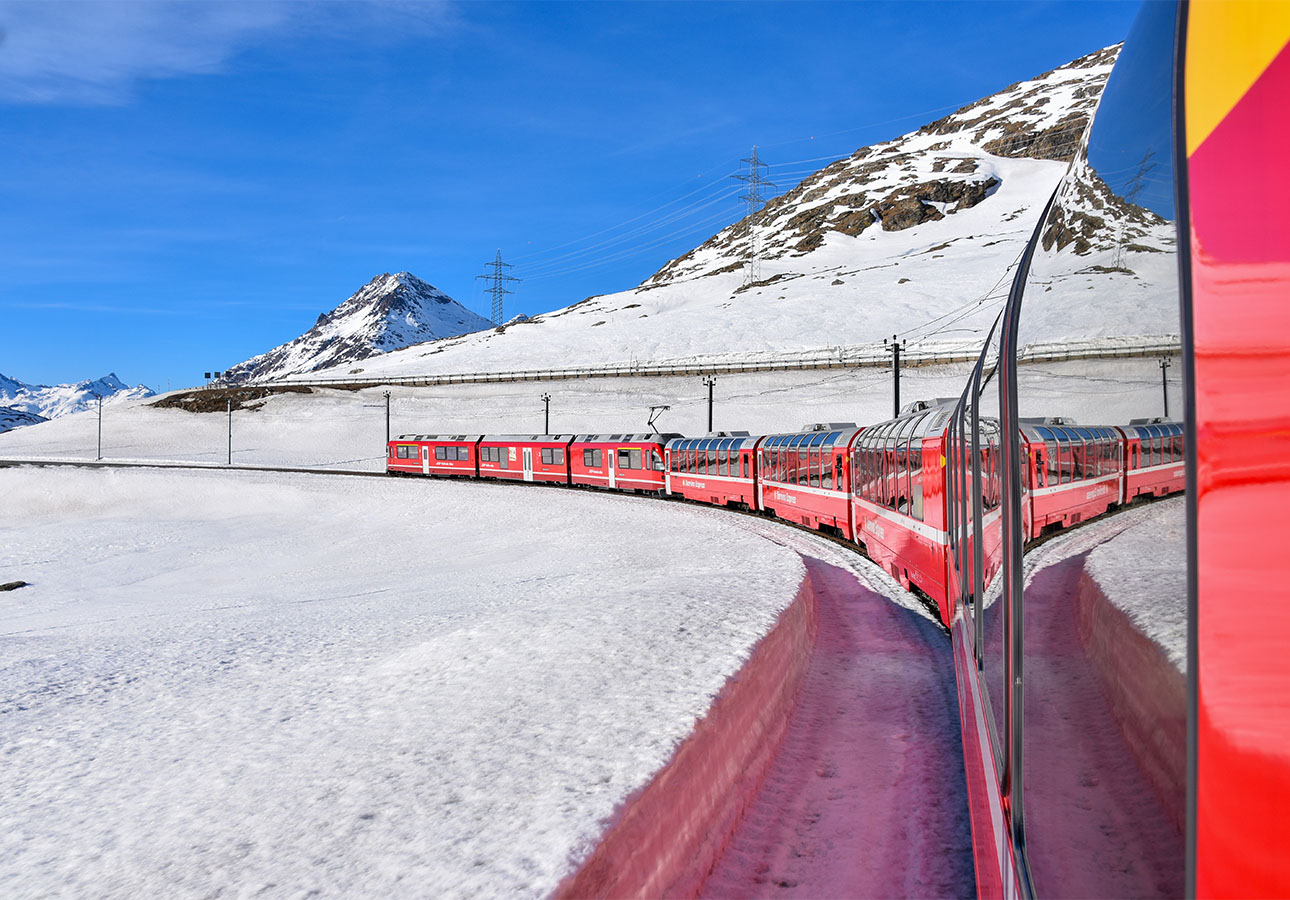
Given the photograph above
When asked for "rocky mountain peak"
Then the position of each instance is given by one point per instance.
(941, 169)
(390, 312)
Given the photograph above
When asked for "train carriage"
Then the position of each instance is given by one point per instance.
(452, 455)
(624, 462)
(898, 497)
(1072, 473)
(719, 469)
(1154, 459)
(805, 477)
(532, 457)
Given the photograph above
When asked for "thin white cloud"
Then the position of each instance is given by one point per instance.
(78, 52)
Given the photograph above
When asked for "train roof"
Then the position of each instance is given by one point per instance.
(719, 441)
(923, 419)
(528, 438)
(645, 437)
(1068, 433)
(456, 438)
(1154, 428)
(835, 434)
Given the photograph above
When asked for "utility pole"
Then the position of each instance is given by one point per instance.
(498, 290)
(387, 417)
(229, 404)
(100, 450)
(546, 398)
(754, 199)
(1164, 381)
(896, 347)
(709, 380)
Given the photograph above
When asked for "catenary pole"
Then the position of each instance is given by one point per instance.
(896, 346)
(1164, 382)
(229, 405)
(387, 417)
(100, 445)
(710, 380)
(546, 428)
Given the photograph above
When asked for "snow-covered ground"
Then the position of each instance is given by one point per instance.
(1138, 557)
(250, 684)
(1142, 569)
(346, 429)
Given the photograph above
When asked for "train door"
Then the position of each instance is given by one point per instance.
(528, 463)
(609, 467)
(425, 460)
(667, 470)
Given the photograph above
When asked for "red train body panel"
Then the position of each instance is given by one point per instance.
(1155, 463)
(438, 454)
(1073, 473)
(624, 462)
(721, 469)
(535, 457)
(898, 498)
(805, 478)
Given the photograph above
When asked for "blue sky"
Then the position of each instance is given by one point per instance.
(183, 186)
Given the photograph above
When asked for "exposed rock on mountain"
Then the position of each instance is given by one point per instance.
(389, 312)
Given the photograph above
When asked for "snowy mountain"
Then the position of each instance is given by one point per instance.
(27, 404)
(916, 236)
(389, 312)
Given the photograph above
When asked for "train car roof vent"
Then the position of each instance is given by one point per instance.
(828, 426)
(1049, 420)
(924, 405)
(723, 434)
(1154, 420)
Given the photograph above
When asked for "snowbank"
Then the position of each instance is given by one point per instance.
(250, 683)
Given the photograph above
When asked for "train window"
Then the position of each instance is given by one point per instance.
(402, 452)
(916, 477)
(723, 462)
(546, 456)
(624, 458)
(439, 453)
(591, 458)
(557, 456)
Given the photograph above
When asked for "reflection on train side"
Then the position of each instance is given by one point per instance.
(1104, 701)
(1080, 641)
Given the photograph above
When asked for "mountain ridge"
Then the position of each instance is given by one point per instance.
(390, 312)
(29, 404)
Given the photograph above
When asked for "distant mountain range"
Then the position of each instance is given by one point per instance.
(387, 313)
(28, 404)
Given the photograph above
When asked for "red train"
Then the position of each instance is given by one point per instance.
(1124, 693)
(882, 487)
